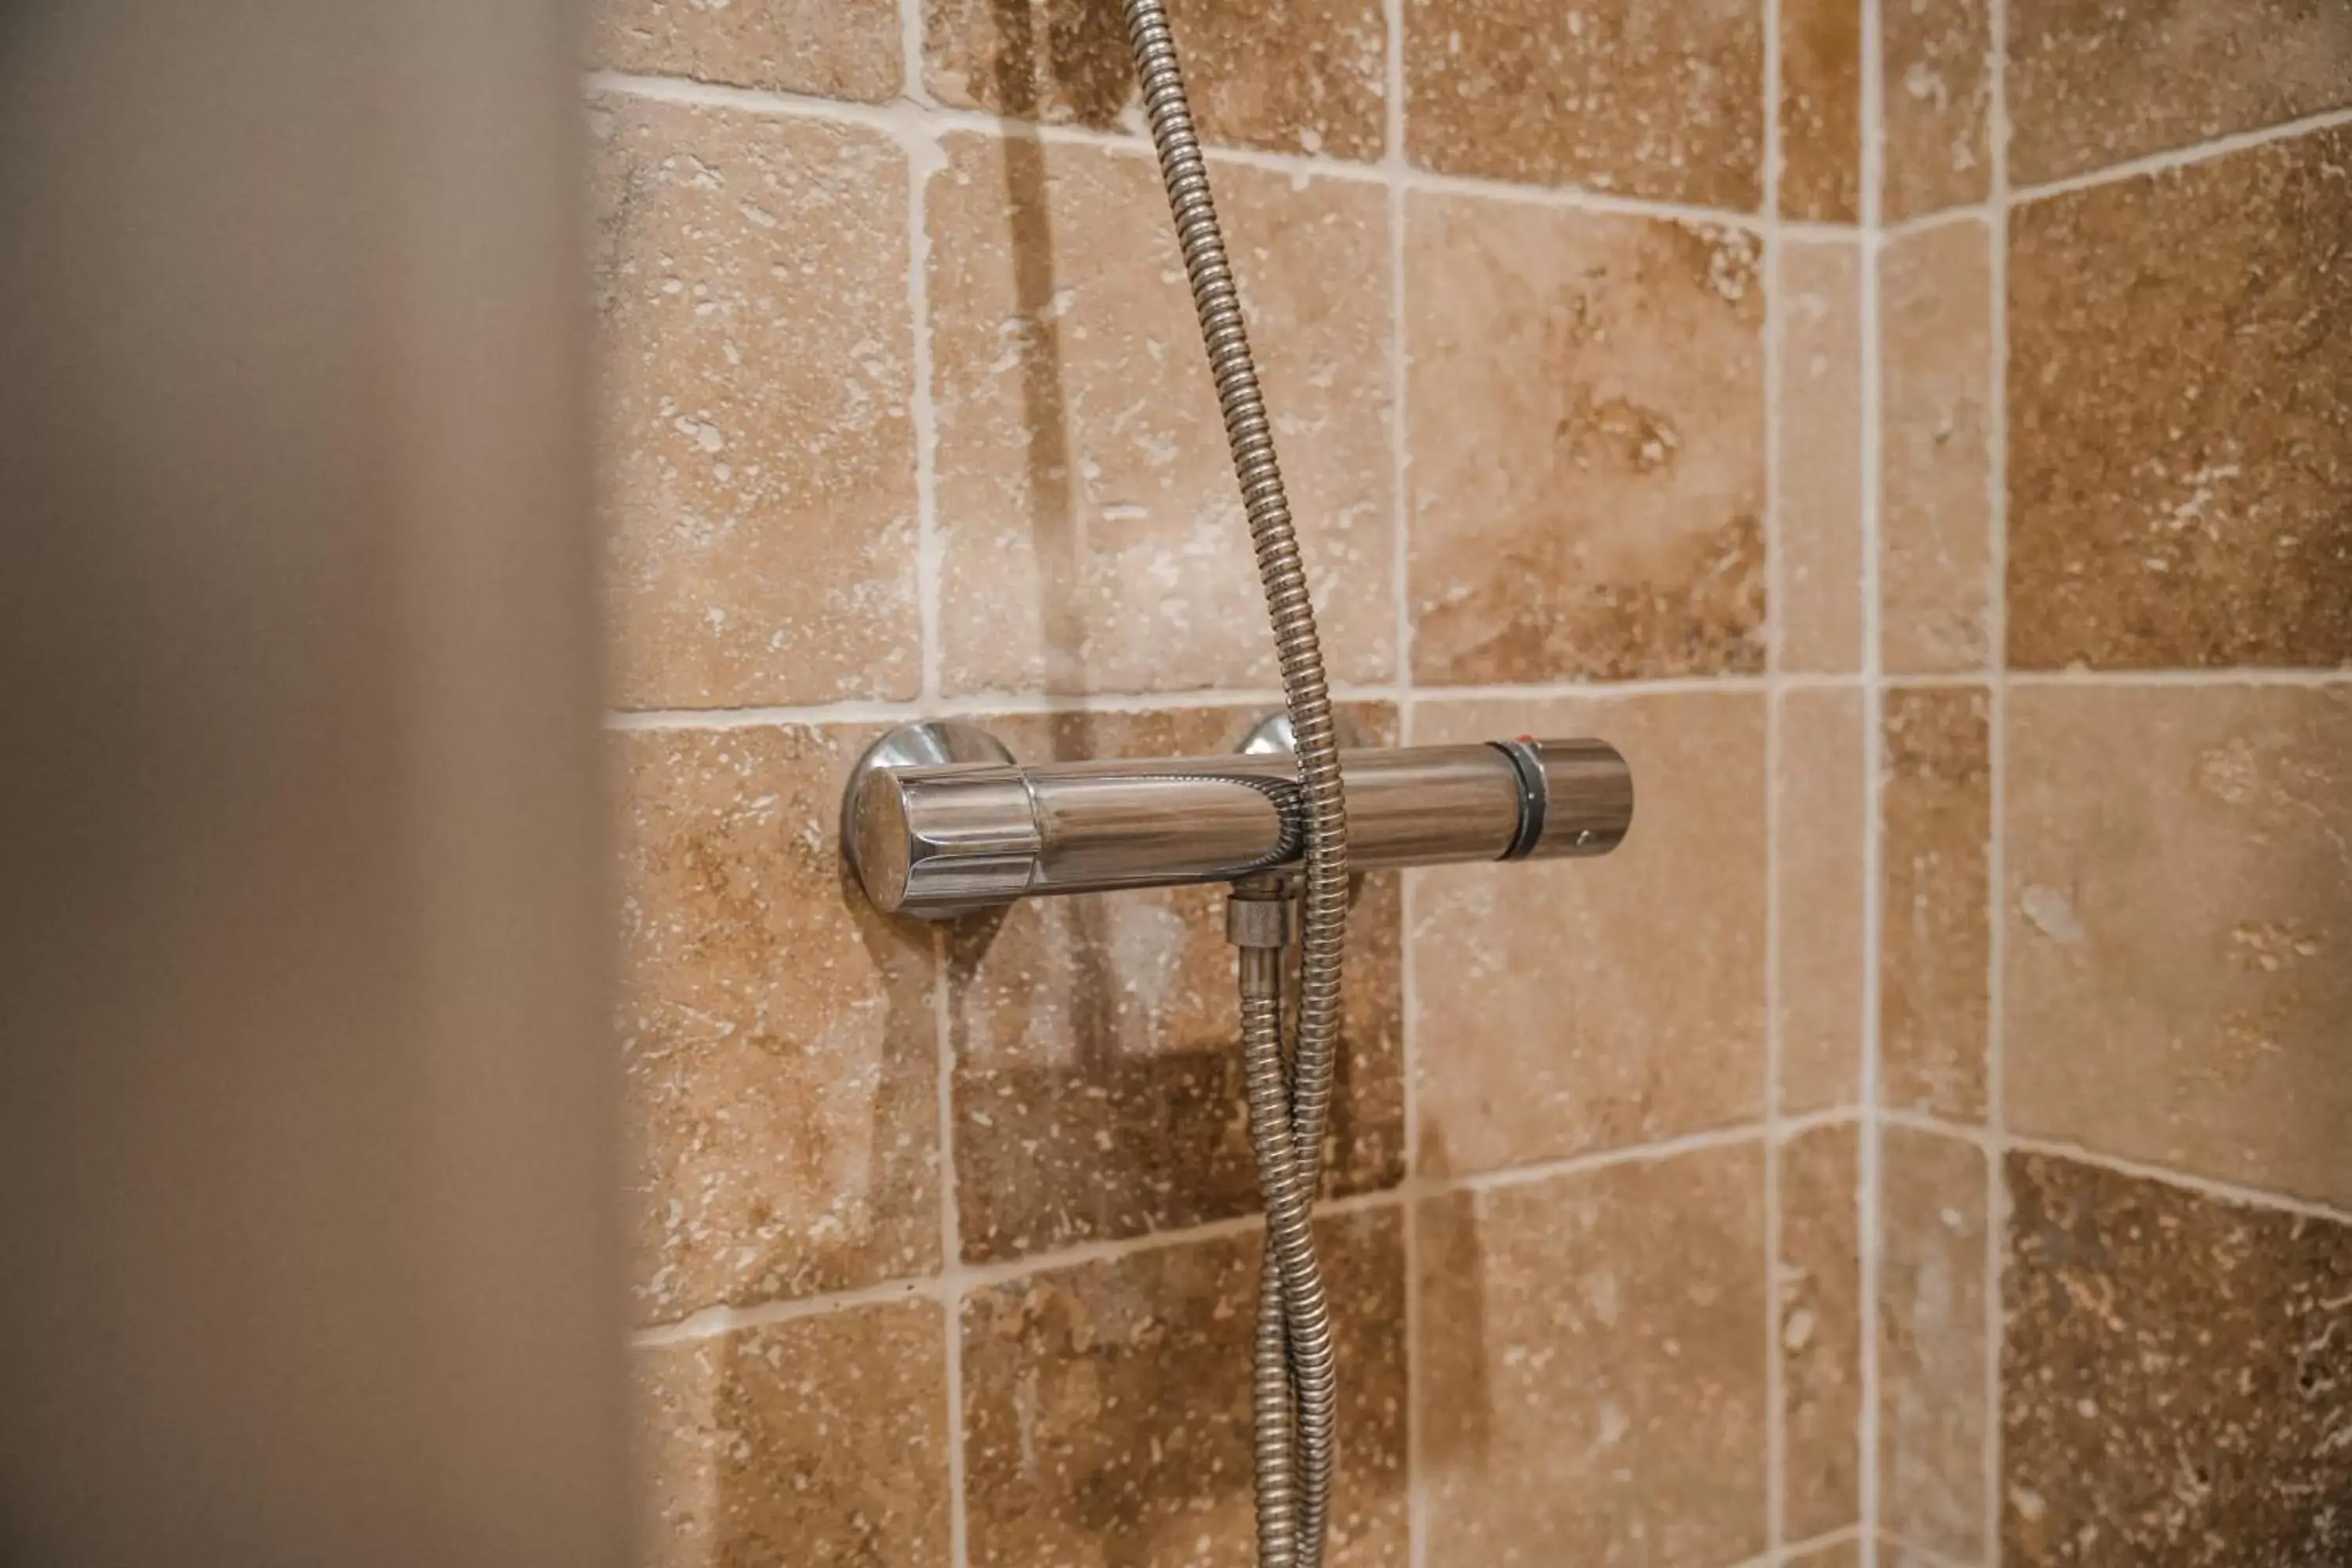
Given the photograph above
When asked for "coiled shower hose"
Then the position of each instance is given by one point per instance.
(1296, 1381)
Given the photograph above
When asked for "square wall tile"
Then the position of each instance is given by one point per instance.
(1107, 1406)
(1846, 1553)
(755, 427)
(2180, 446)
(1818, 801)
(779, 1038)
(2178, 909)
(1092, 533)
(831, 49)
(1817, 1283)
(1818, 613)
(1936, 74)
(1585, 398)
(1935, 967)
(1580, 1004)
(1294, 76)
(1932, 1343)
(1665, 102)
(2173, 1376)
(823, 1440)
(1098, 1085)
(1936, 450)
(1589, 1396)
(1821, 110)
(2094, 83)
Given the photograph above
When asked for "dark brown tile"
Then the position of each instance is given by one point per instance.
(1584, 1004)
(1933, 1346)
(819, 1440)
(1936, 477)
(1106, 1414)
(832, 48)
(1818, 1289)
(2180, 446)
(2092, 82)
(1935, 962)
(779, 1037)
(2178, 909)
(1091, 536)
(756, 425)
(1817, 604)
(1819, 804)
(1820, 109)
(1586, 395)
(1937, 87)
(1589, 1396)
(1291, 76)
(1098, 1088)
(2174, 1377)
(1665, 102)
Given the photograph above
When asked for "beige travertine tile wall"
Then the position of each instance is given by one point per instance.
(1962, 563)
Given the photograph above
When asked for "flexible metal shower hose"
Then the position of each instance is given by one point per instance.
(1296, 1381)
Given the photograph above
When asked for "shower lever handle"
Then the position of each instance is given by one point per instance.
(937, 819)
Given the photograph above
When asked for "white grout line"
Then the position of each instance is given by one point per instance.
(1796, 1550)
(1776, 621)
(2240, 676)
(1732, 1137)
(712, 1322)
(1866, 1143)
(1997, 762)
(2183, 157)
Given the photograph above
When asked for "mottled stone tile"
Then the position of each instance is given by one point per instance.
(1665, 102)
(831, 49)
(2178, 909)
(1586, 396)
(1831, 1555)
(2174, 1376)
(1935, 451)
(780, 1043)
(1098, 1087)
(1588, 1395)
(1818, 611)
(1292, 76)
(1818, 1285)
(819, 1440)
(1932, 1343)
(1093, 537)
(1819, 803)
(1580, 1005)
(755, 432)
(2180, 446)
(1820, 109)
(1935, 967)
(1106, 1413)
(2092, 82)
(1935, 73)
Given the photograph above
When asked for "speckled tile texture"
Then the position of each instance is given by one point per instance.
(1932, 1346)
(1092, 536)
(2180, 457)
(1934, 956)
(1819, 605)
(778, 1035)
(756, 436)
(1936, 86)
(1107, 1417)
(1588, 1395)
(831, 49)
(1819, 807)
(1097, 1077)
(1664, 102)
(1835, 1554)
(823, 1440)
(2178, 906)
(1568, 1007)
(1289, 76)
(1817, 1287)
(1588, 429)
(1820, 109)
(2092, 82)
(2175, 1376)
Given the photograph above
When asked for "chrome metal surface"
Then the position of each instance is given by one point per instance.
(937, 840)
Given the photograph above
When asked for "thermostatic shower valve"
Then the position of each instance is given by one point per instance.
(939, 818)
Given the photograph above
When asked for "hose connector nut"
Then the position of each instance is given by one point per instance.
(1261, 920)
